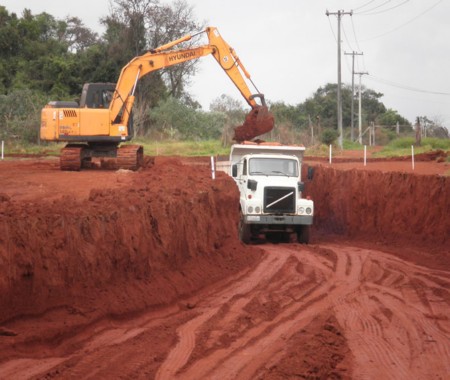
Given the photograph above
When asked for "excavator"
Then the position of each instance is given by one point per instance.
(102, 120)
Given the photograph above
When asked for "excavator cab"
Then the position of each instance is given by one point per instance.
(97, 95)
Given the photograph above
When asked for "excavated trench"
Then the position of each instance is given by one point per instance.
(172, 230)
(393, 209)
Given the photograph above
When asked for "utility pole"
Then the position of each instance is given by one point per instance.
(339, 14)
(353, 53)
(359, 107)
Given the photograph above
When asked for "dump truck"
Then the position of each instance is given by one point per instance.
(103, 119)
(268, 176)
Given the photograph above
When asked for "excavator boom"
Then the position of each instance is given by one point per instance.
(99, 124)
(257, 122)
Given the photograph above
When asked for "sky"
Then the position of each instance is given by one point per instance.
(290, 47)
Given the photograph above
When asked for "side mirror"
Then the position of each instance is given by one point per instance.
(234, 170)
(252, 184)
(310, 173)
(301, 187)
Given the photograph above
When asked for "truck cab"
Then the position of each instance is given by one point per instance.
(270, 187)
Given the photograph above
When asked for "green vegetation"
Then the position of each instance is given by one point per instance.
(216, 147)
(402, 146)
(184, 148)
(352, 145)
(329, 136)
(43, 58)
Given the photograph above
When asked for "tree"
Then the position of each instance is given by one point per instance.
(76, 35)
(432, 127)
(329, 136)
(168, 23)
(137, 25)
(232, 113)
(174, 119)
(391, 117)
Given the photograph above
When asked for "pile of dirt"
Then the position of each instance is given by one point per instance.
(146, 243)
(319, 351)
(258, 121)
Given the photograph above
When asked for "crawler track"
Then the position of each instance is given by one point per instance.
(70, 158)
(74, 158)
(130, 157)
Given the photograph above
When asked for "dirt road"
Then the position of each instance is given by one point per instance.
(140, 275)
(324, 310)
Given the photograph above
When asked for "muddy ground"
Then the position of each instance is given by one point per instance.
(118, 274)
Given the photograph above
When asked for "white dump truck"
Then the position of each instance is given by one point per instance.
(270, 186)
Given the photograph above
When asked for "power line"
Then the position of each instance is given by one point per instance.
(378, 6)
(408, 88)
(332, 31)
(346, 38)
(406, 23)
(384, 10)
(354, 34)
(357, 45)
(365, 5)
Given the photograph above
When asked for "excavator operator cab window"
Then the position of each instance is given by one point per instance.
(106, 98)
(101, 99)
(97, 95)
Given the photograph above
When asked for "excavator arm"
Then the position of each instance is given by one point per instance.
(257, 122)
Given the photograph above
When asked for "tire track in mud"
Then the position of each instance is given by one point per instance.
(390, 322)
(393, 314)
(263, 338)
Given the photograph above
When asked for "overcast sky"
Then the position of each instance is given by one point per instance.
(290, 49)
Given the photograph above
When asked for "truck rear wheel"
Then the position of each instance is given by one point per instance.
(244, 231)
(303, 234)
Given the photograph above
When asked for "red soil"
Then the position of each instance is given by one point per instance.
(141, 274)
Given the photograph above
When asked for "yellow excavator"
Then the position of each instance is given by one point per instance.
(96, 127)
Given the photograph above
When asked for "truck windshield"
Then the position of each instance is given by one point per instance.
(273, 166)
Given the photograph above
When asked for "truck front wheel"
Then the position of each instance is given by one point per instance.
(244, 231)
(303, 234)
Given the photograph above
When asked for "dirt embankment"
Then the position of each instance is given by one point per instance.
(170, 230)
(165, 235)
(95, 247)
(388, 208)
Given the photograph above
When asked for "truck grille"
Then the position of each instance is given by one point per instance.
(279, 200)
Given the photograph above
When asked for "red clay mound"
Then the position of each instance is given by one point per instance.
(164, 234)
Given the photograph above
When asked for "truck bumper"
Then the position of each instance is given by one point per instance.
(279, 219)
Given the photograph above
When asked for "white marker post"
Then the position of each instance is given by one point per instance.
(213, 170)
(330, 154)
(3, 147)
(365, 155)
(412, 156)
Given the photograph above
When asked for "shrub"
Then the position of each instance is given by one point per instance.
(329, 136)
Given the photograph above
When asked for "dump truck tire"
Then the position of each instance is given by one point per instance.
(244, 231)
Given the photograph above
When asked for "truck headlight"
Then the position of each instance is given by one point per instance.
(308, 210)
(250, 209)
(258, 209)
(301, 210)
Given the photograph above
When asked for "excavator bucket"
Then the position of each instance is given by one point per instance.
(257, 122)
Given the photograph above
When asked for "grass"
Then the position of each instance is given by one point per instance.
(183, 148)
(402, 147)
(397, 147)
